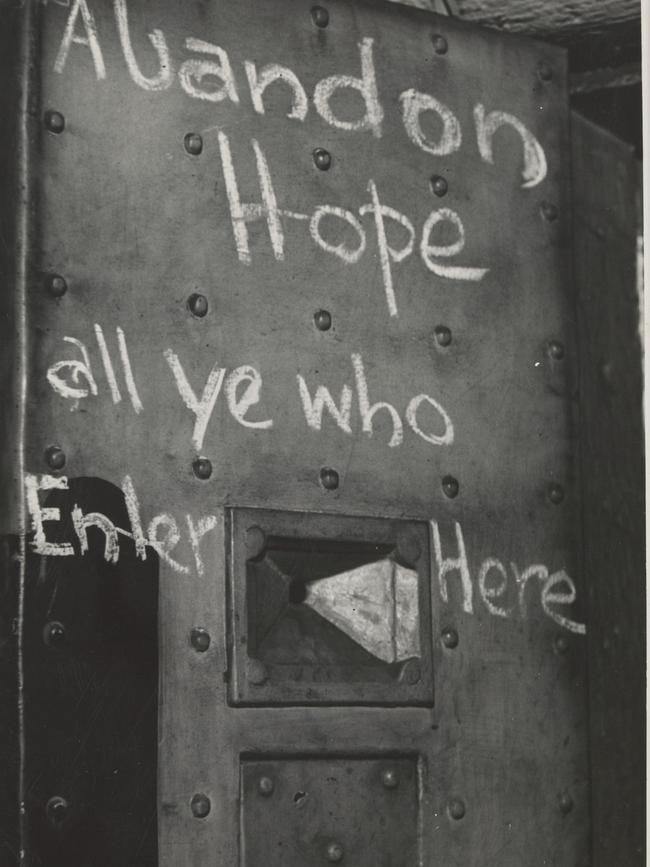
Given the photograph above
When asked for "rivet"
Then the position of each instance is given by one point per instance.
(323, 320)
(555, 493)
(320, 16)
(411, 672)
(450, 487)
(443, 335)
(255, 542)
(561, 644)
(389, 778)
(566, 803)
(193, 143)
(202, 468)
(439, 185)
(456, 808)
(257, 673)
(200, 805)
(56, 285)
(54, 121)
(439, 43)
(408, 548)
(200, 639)
(265, 786)
(322, 159)
(54, 634)
(56, 809)
(329, 478)
(556, 350)
(549, 211)
(544, 71)
(55, 457)
(198, 305)
(449, 637)
(334, 852)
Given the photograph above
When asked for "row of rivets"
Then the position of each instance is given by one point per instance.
(329, 477)
(449, 637)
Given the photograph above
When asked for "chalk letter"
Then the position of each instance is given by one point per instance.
(90, 39)
(340, 250)
(81, 523)
(202, 409)
(386, 252)
(240, 213)
(163, 79)
(77, 369)
(133, 509)
(449, 565)
(259, 81)
(206, 523)
(549, 598)
(413, 104)
(367, 87)
(489, 593)
(535, 168)
(313, 409)
(34, 484)
(240, 406)
(447, 438)
(367, 411)
(427, 250)
(522, 579)
(198, 69)
(162, 547)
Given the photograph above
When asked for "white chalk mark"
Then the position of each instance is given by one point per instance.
(202, 408)
(428, 250)
(77, 370)
(445, 439)
(163, 546)
(444, 565)
(567, 598)
(521, 579)
(34, 484)
(241, 213)
(133, 510)
(128, 372)
(490, 593)
(163, 79)
(196, 533)
(90, 39)
(535, 168)
(195, 70)
(340, 250)
(239, 406)
(234, 201)
(313, 407)
(259, 81)
(367, 87)
(386, 252)
(81, 523)
(108, 364)
(368, 411)
(413, 104)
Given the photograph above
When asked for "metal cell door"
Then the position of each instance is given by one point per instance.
(298, 362)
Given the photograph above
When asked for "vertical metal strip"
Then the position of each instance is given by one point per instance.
(27, 72)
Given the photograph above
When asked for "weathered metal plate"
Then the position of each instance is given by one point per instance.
(311, 811)
(473, 369)
(294, 641)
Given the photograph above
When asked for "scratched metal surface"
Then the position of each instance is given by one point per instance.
(136, 224)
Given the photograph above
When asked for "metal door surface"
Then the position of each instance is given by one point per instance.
(299, 360)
